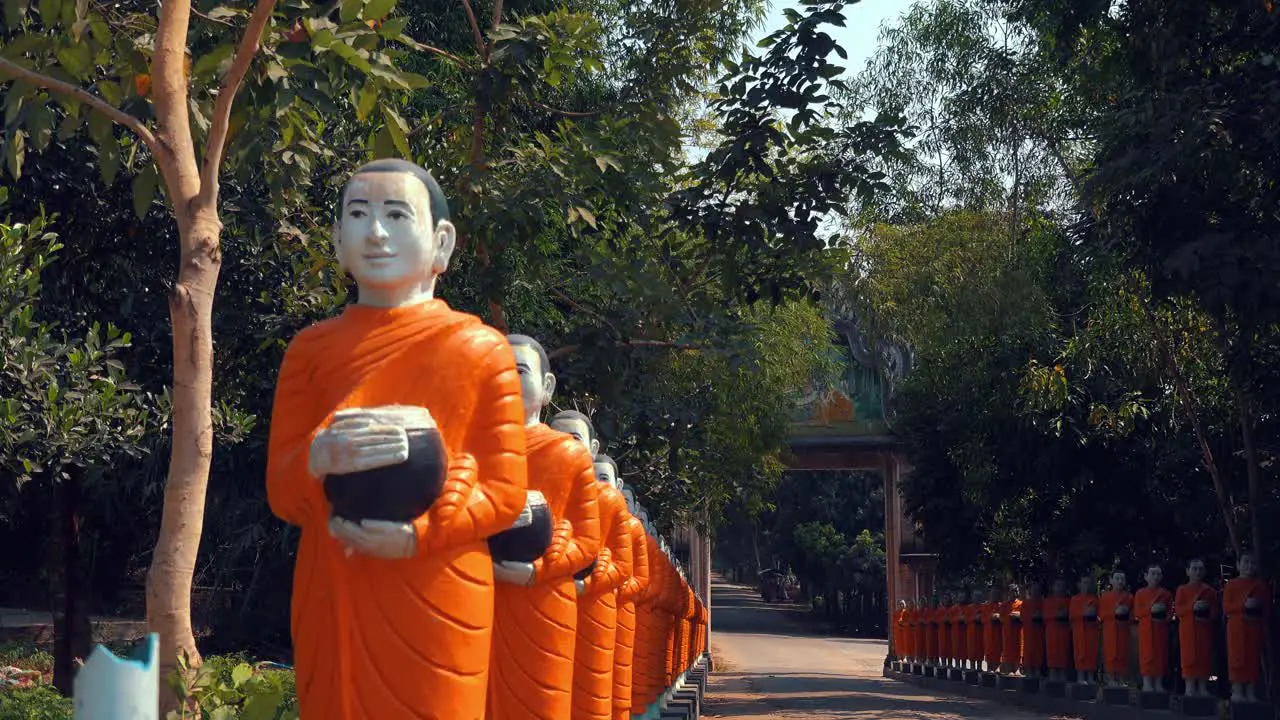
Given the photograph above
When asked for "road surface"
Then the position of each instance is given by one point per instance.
(768, 665)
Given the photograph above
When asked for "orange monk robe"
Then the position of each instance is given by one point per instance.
(1245, 629)
(1033, 633)
(1011, 633)
(1057, 633)
(405, 638)
(991, 637)
(1083, 611)
(974, 631)
(1116, 635)
(900, 634)
(915, 633)
(943, 615)
(645, 682)
(691, 629)
(598, 611)
(931, 633)
(535, 628)
(1153, 630)
(632, 589)
(958, 651)
(1195, 631)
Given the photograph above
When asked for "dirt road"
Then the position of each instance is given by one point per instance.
(770, 666)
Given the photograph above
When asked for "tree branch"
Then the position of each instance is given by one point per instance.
(497, 14)
(570, 349)
(566, 113)
(221, 120)
(481, 47)
(67, 90)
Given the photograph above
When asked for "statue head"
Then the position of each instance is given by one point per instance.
(607, 470)
(1059, 588)
(537, 383)
(1154, 575)
(946, 598)
(1195, 570)
(1246, 565)
(1119, 581)
(1013, 592)
(1088, 586)
(630, 497)
(392, 232)
(961, 596)
(909, 604)
(579, 426)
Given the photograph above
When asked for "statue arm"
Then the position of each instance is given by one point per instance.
(294, 494)
(635, 585)
(576, 539)
(485, 489)
(614, 563)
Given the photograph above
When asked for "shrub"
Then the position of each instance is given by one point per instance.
(229, 688)
(34, 703)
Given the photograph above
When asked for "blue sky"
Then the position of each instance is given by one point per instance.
(858, 36)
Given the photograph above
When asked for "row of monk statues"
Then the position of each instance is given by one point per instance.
(1009, 632)
(459, 558)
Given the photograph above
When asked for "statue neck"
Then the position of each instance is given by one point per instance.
(533, 418)
(399, 296)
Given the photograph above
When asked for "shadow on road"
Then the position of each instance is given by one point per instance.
(739, 609)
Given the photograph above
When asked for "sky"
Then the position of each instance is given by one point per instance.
(857, 37)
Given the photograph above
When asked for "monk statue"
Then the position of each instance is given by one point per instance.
(1057, 631)
(1246, 601)
(993, 639)
(1151, 608)
(959, 653)
(632, 589)
(900, 631)
(1196, 607)
(931, 631)
(1115, 612)
(597, 596)
(1084, 630)
(909, 631)
(536, 624)
(1011, 632)
(1033, 630)
(975, 623)
(943, 615)
(397, 447)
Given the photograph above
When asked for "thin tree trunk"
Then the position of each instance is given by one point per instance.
(72, 631)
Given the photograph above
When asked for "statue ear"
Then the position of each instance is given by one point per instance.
(548, 387)
(446, 237)
(595, 447)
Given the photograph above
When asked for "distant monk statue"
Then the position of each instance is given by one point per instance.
(1197, 611)
(1246, 602)
(1151, 608)
(993, 640)
(1033, 630)
(397, 445)
(1057, 631)
(1084, 630)
(1011, 632)
(959, 651)
(1115, 611)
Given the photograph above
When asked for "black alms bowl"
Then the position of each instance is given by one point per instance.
(585, 572)
(527, 543)
(398, 493)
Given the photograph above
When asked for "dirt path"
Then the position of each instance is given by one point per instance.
(773, 667)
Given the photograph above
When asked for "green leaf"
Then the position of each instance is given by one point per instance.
(109, 163)
(111, 92)
(262, 706)
(383, 144)
(40, 121)
(15, 153)
(225, 13)
(368, 98)
(226, 712)
(212, 60)
(588, 216)
(399, 78)
(350, 10)
(69, 126)
(145, 184)
(50, 11)
(14, 12)
(100, 128)
(76, 59)
(241, 674)
(378, 9)
(351, 55)
(399, 130)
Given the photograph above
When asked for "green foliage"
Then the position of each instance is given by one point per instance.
(229, 688)
(34, 703)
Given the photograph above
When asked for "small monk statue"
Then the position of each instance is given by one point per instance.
(900, 632)
(628, 594)
(1115, 612)
(930, 620)
(1246, 601)
(1057, 631)
(1151, 610)
(1084, 630)
(1196, 607)
(918, 633)
(393, 606)
(992, 638)
(1033, 631)
(975, 630)
(1011, 632)
(531, 672)
(943, 615)
(959, 611)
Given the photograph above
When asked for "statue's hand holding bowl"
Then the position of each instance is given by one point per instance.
(1252, 603)
(1200, 606)
(580, 586)
(1122, 612)
(512, 572)
(356, 443)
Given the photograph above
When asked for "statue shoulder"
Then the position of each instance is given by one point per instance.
(474, 341)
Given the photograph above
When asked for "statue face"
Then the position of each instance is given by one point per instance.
(1195, 571)
(1087, 585)
(1059, 587)
(536, 384)
(961, 597)
(580, 431)
(386, 237)
(1245, 566)
(946, 598)
(1153, 576)
(606, 474)
(1118, 581)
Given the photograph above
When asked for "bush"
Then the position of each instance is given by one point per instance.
(229, 688)
(34, 703)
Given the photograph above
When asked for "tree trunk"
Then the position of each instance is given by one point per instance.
(173, 564)
(72, 631)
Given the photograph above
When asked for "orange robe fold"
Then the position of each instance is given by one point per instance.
(1116, 635)
(931, 633)
(1033, 633)
(958, 651)
(535, 627)
(633, 587)
(974, 631)
(1011, 633)
(1153, 631)
(900, 648)
(991, 636)
(1084, 631)
(403, 638)
(598, 611)
(915, 634)
(1195, 633)
(1057, 633)
(943, 614)
(1245, 629)
(651, 628)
